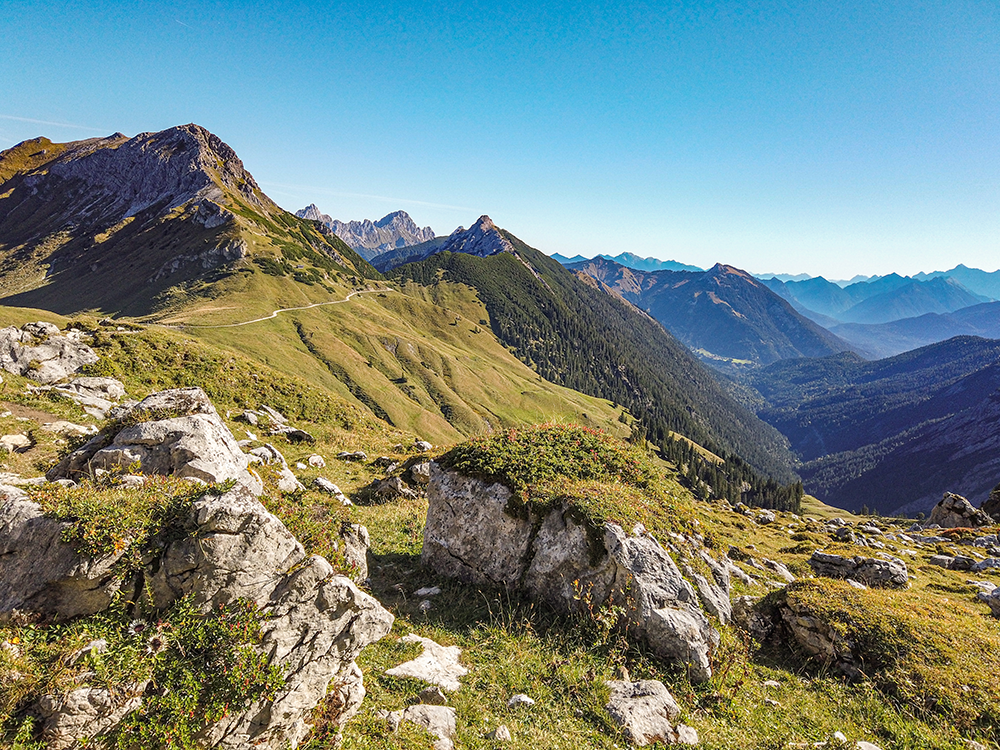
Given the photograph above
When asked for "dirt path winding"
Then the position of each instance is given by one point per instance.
(287, 309)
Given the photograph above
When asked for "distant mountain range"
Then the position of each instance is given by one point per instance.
(371, 238)
(631, 260)
(893, 434)
(887, 339)
(881, 300)
(724, 314)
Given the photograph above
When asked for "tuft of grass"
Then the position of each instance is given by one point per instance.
(110, 519)
(191, 669)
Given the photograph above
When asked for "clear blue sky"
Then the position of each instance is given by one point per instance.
(830, 138)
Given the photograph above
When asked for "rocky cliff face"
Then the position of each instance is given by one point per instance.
(109, 223)
(371, 238)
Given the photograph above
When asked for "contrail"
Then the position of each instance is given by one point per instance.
(383, 198)
(53, 124)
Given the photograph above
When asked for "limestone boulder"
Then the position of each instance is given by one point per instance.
(819, 638)
(39, 351)
(473, 533)
(886, 573)
(645, 711)
(41, 573)
(84, 712)
(955, 511)
(175, 433)
(316, 621)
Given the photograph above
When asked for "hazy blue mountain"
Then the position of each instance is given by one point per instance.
(631, 260)
(783, 276)
(887, 339)
(723, 313)
(973, 279)
(881, 300)
(910, 299)
(892, 434)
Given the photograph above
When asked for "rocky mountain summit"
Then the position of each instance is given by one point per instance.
(370, 238)
(109, 223)
(482, 239)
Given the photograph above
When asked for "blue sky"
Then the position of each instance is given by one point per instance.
(827, 138)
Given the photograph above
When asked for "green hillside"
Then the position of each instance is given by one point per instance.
(575, 334)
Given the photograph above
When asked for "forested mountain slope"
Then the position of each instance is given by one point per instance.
(722, 313)
(890, 434)
(575, 334)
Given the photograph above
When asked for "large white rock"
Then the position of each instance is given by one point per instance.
(177, 433)
(474, 534)
(39, 352)
(316, 621)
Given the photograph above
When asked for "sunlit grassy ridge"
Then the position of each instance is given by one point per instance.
(931, 651)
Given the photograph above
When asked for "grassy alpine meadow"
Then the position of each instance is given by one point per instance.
(930, 652)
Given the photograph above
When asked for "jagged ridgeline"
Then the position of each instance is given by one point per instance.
(134, 225)
(578, 336)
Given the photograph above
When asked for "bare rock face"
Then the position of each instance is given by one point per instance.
(645, 711)
(954, 511)
(83, 712)
(316, 622)
(819, 638)
(40, 573)
(889, 573)
(470, 534)
(38, 352)
(370, 238)
(180, 434)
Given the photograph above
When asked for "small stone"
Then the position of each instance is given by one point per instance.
(300, 466)
(352, 456)
(423, 446)
(771, 702)
(686, 735)
(520, 700)
(772, 684)
(500, 734)
(432, 696)
(317, 461)
(427, 591)
(862, 745)
(15, 443)
(437, 664)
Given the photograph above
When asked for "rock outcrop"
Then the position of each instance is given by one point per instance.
(316, 621)
(39, 351)
(558, 558)
(890, 572)
(175, 433)
(954, 511)
(991, 506)
(819, 638)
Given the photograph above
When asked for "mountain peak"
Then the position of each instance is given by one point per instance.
(482, 239)
(371, 238)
